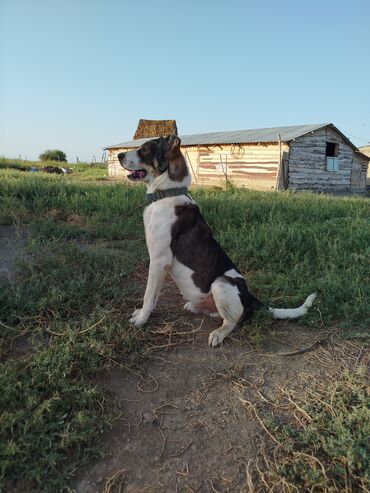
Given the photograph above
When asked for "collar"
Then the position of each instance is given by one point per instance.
(162, 194)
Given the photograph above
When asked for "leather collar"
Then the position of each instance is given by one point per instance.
(162, 194)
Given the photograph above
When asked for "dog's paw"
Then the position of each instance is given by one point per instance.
(189, 306)
(138, 318)
(215, 338)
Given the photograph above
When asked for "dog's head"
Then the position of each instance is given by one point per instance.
(154, 158)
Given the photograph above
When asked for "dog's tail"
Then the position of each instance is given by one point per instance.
(282, 313)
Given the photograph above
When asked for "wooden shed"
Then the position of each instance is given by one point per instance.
(303, 157)
(366, 150)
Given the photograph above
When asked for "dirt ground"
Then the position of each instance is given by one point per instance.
(11, 243)
(184, 426)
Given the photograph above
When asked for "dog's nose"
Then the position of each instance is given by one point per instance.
(121, 155)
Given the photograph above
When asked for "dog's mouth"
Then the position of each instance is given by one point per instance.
(138, 174)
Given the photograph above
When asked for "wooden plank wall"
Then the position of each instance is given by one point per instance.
(359, 173)
(115, 170)
(307, 163)
(252, 166)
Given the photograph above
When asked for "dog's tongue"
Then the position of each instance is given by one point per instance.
(138, 173)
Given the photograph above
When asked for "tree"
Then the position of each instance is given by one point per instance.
(53, 155)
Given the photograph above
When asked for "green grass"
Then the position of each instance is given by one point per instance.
(74, 289)
(80, 172)
(290, 245)
(50, 416)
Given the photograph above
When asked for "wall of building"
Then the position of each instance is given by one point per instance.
(249, 165)
(307, 162)
(366, 150)
(252, 166)
(115, 170)
(359, 172)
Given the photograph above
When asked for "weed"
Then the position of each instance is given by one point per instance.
(51, 416)
(323, 444)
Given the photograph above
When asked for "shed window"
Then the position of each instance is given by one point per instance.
(332, 163)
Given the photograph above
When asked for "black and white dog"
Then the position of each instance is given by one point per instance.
(180, 242)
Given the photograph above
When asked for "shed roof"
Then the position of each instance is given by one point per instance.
(254, 136)
(235, 136)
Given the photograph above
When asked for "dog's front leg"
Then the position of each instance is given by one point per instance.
(157, 273)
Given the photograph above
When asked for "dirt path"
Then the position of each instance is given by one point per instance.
(184, 427)
(10, 249)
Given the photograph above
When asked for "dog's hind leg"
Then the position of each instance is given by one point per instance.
(229, 306)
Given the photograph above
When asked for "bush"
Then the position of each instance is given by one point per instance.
(53, 155)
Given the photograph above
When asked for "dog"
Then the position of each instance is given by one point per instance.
(179, 241)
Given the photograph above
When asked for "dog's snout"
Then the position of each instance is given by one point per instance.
(121, 155)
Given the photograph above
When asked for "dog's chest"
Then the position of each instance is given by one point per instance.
(158, 221)
(159, 218)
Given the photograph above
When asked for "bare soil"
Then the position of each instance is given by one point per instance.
(11, 246)
(185, 425)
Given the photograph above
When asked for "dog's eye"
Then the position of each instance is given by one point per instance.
(144, 149)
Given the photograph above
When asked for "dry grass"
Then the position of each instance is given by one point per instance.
(155, 128)
(114, 484)
(318, 429)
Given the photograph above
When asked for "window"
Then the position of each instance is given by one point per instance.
(332, 163)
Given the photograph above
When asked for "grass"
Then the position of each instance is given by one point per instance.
(51, 418)
(81, 172)
(74, 288)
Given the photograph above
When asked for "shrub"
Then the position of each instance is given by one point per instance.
(53, 155)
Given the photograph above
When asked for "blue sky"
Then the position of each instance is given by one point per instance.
(78, 74)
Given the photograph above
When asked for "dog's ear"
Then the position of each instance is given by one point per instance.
(177, 169)
(173, 146)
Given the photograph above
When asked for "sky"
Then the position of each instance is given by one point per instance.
(77, 75)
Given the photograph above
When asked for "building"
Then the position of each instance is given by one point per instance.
(366, 150)
(303, 157)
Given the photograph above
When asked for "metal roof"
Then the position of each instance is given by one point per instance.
(236, 136)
